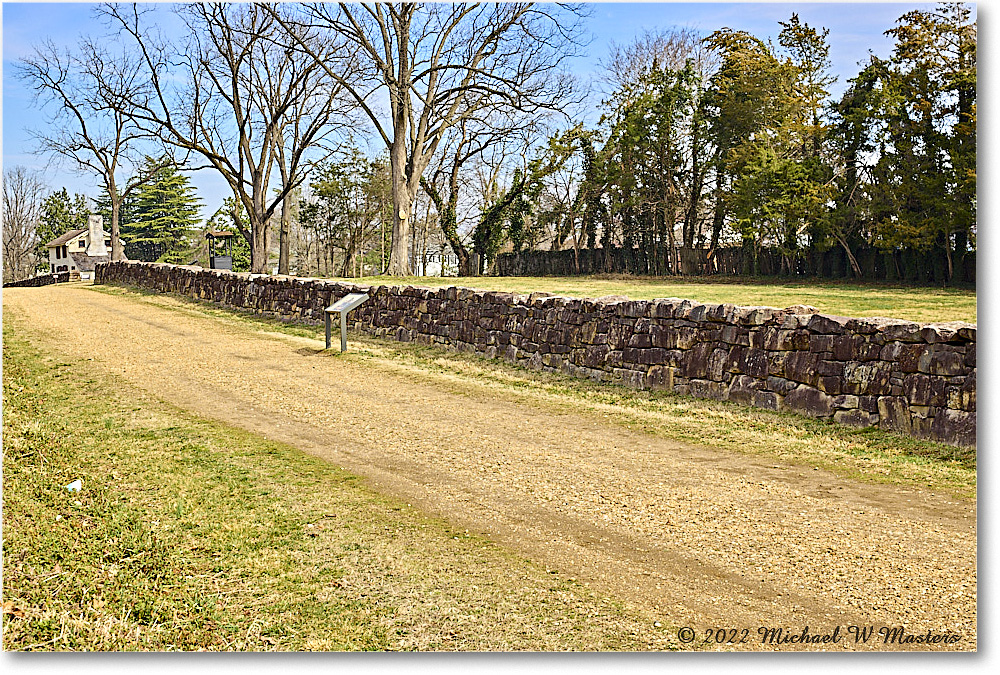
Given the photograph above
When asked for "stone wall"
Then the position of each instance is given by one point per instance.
(40, 280)
(915, 379)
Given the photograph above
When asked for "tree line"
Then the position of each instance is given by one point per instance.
(362, 137)
(729, 140)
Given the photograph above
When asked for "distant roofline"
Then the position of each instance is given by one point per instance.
(59, 241)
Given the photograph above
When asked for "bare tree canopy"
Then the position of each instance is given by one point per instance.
(91, 91)
(666, 48)
(233, 95)
(23, 192)
(436, 65)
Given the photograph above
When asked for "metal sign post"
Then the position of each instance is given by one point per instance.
(343, 306)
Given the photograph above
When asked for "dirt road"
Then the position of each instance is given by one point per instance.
(701, 538)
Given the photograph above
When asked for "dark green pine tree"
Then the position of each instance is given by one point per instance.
(60, 214)
(126, 213)
(161, 218)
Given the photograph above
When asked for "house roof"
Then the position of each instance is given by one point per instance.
(86, 263)
(59, 241)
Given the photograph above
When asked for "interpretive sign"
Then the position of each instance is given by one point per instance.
(342, 306)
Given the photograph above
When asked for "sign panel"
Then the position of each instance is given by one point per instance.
(343, 306)
(348, 302)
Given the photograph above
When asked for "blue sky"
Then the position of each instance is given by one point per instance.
(855, 29)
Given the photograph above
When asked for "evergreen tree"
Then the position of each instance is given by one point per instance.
(126, 213)
(60, 214)
(161, 217)
(930, 161)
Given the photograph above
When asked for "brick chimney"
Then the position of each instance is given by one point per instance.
(96, 246)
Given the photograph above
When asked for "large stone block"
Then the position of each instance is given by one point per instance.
(801, 367)
(757, 316)
(894, 414)
(828, 324)
(660, 377)
(718, 313)
(743, 388)
(943, 332)
(717, 364)
(707, 389)
(736, 360)
(653, 356)
(781, 385)
(776, 363)
(768, 400)
(872, 378)
(736, 335)
(821, 343)
(923, 389)
(905, 355)
(596, 356)
(695, 362)
(755, 363)
(855, 418)
(846, 401)
(963, 397)
(904, 331)
(640, 341)
(940, 360)
(955, 426)
(809, 401)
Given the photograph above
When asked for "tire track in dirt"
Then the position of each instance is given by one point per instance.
(687, 534)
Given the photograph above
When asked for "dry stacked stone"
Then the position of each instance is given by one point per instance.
(897, 375)
(41, 280)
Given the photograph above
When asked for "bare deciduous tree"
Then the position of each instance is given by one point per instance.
(23, 192)
(439, 64)
(667, 48)
(91, 127)
(469, 143)
(232, 94)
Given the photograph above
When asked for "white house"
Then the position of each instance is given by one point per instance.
(80, 250)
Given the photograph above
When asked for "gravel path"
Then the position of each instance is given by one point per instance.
(701, 538)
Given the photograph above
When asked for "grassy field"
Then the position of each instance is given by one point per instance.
(863, 454)
(919, 304)
(192, 535)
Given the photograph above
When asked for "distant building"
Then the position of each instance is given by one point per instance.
(78, 251)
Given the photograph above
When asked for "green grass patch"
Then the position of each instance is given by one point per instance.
(190, 534)
(913, 303)
(869, 455)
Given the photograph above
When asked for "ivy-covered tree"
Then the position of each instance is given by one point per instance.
(929, 160)
(647, 162)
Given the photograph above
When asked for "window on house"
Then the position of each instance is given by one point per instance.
(65, 251)
(58, 253)
(83, 244)
(107, 242)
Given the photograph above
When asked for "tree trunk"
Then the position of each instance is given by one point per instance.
(350, 260)
(259, 245)
(284, 236)
(855, 268)
(402, 203)
(117, 250)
